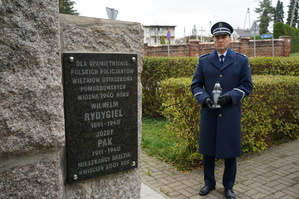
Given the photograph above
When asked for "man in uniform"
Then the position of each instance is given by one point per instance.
(220, 128)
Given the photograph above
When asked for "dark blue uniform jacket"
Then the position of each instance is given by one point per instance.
(220, 129)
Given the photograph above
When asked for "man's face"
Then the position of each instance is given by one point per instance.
(221, 43)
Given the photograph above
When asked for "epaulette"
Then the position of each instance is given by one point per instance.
(204, 55)
(241, 54)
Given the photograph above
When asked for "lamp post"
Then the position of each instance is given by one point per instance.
(168, 37)
(254, 30)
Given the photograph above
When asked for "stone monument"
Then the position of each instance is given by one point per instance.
(33, 123)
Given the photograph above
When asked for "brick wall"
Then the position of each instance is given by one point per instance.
(244, 46)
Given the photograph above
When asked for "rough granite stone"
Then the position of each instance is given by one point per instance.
(32, 37)
(125, 185)
(31, 100)
(82, 34)
(85, 34)
(100, 35)
(41, 178)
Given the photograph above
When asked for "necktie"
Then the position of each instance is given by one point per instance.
(221, 59)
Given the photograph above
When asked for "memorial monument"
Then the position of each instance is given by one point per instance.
(70, 121)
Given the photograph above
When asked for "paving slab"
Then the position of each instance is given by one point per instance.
(273, 173)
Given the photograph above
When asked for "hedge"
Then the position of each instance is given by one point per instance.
(274, 65)
(270, 115)
(156, 69)
(281, 29)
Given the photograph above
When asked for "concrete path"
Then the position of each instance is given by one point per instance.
(271, 174)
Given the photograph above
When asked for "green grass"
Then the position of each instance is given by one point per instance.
(294, 54)
(154, 138)
(158, 142)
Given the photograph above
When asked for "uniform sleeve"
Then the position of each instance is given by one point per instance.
(197, 86)
(245, 86)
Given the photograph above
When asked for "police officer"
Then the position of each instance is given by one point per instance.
(220, 128)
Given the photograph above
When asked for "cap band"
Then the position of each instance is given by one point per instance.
(221, 30)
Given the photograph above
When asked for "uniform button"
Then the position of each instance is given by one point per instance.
(220, 115)
(220, 75)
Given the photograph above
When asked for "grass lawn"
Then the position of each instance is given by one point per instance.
(154, 138)
(294, 54)
(157, 142)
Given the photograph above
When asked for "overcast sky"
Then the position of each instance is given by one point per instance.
(184, 14)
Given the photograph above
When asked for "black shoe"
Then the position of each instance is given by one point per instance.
(229, 194)
(205, 190)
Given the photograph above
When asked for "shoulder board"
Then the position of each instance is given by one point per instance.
(241, 54)
(204, 55)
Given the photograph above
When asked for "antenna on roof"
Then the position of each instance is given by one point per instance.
(247, 13)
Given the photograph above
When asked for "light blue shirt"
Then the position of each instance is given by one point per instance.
(221, 54)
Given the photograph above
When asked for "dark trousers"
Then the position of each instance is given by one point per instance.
(229, 175)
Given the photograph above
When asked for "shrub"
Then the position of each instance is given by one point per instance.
(156, 69)
(270, 114)
(274, 65)
(281, 29)
(182, 111)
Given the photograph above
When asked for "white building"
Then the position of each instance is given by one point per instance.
(153, 34)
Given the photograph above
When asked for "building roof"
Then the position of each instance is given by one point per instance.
(159, 25)
(245, 33)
